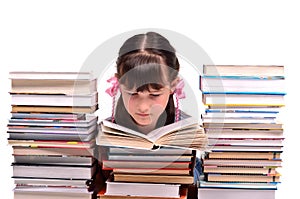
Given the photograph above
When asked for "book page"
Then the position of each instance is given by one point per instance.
(123, 129)
(159, 132)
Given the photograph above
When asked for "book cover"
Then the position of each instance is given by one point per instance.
(244, 155)
(171, 179)
(52, 143)
(17, 150)
(54, 192)
(54, 109)
(50, 75)
(87, 121)
(54, 100)
(243, 99)
(244, 70)
(53, 171)
(242, 177)
(142, 189)
(243, 162)
(102, 195)
(53, 86)
(239, 170)
(233, 186)
(236, 84)
(226, 193)
(114, 164)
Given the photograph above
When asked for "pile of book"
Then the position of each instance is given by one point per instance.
(242, 122)
(158, 165)
(52, 132)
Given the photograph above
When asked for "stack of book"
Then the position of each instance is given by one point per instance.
(52, 132)
(158, 165)
(242, 121)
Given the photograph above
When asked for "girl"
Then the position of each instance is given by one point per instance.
(147, 78)
(147, 75)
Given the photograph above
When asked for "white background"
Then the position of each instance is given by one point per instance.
(58, 35)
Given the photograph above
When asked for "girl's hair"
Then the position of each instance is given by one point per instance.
(146, 61)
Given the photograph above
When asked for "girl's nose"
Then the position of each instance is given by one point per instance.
(143, 105)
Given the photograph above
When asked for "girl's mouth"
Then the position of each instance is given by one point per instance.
(143, 114)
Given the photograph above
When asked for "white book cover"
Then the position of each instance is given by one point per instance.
(50, 75)
(142, 189)
(213, 193)
(54, 100)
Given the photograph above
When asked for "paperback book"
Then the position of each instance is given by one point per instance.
(186, 133)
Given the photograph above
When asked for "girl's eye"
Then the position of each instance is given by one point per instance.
(132, 94)
(155, 95)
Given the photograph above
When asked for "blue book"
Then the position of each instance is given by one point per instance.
(244, 84)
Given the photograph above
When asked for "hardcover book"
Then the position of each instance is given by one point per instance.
(244, 70)
(230, 193)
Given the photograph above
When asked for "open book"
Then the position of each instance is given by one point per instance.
(186, 133)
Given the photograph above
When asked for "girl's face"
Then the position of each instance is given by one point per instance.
(145, 107)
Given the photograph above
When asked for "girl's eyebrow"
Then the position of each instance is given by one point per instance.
(157, 90)
(154, 91)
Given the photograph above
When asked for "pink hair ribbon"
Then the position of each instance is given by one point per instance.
(112, 91)
(179, 94)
